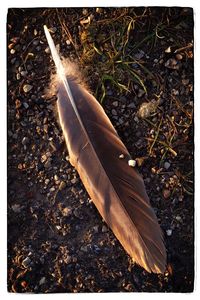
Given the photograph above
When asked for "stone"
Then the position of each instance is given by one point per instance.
(141, 93)
(23, 73)
(47, 50)
(168, 50)
(74, 180)
(18, 76)
(47, 181)
(104, 228)
(96, 229)
(115, 103)
(67, 211)
(16, 208)
(25, 104)
(27, 88)
(56, 178)
(25, 140)
(179, 56)
(42, 281)
(169, 232)
(131, 105)
(62, 185)
(167, 165)
(132, 163)
(44, 158)
(26, 262)
(166, 193)
(172, 64)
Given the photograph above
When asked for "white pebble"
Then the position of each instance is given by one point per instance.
(132, 163)
(47, 181)
(169, 232)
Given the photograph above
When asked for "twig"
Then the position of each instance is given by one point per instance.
(156, 136)
(190, 45)
(165, 145)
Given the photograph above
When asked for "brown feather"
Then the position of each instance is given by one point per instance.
(116, 189)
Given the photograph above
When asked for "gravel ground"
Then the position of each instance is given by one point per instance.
(57, 241)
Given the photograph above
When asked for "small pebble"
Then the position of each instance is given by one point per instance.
(23, 73)
(35, 42)
(68, 42)
(185, 81)
(141, 93)
(84, 11)
(166, 165)
(67, 211)
(168, 50)
(169, 232)
(115, 103)
(25, 141)
(74, 180)
(12, 51)
(166, 193)
(132, 163)
(56, 178)
(96, 228)
(38, 48)
(26, 262)
(16, 208)
(52, 189)
(179, 56)
(47, 50)
(99, 10)
(84, 248)
(24, 284)
(178, 218)
(43, 158)
(140, 54)
(62, 185)
(42, 281)
(47, 181)
(121, 156)
(27, 88)
(131, 105)
(18, 76)
(114, 112)
(172, 64)
(26, 106)
(104, 228)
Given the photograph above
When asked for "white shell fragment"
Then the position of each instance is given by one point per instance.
(121, 156)
(132, 163)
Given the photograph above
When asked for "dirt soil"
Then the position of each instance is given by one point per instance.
(138, 62)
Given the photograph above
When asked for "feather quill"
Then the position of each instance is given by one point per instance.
(116, 189)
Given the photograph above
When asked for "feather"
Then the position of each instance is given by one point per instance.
(101, 160)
